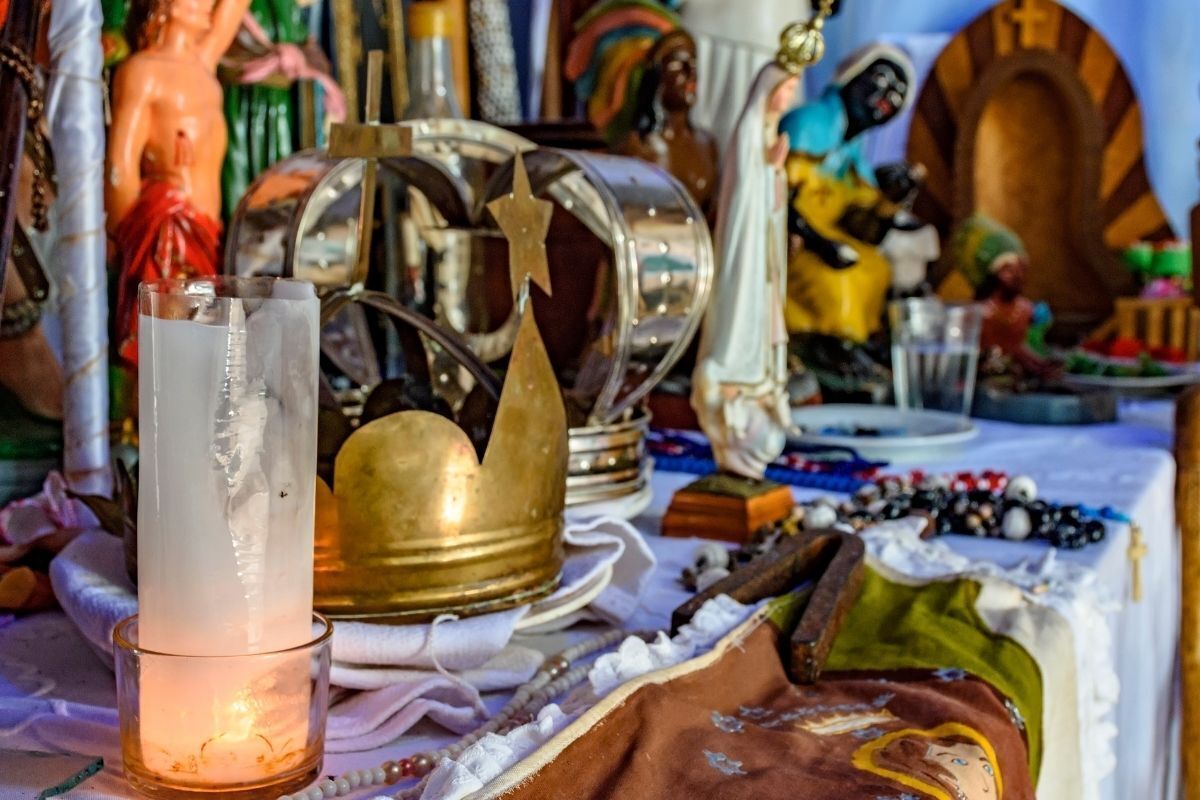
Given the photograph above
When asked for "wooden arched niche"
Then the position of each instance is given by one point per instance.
(1029, 117)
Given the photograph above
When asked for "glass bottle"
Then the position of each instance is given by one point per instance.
(431, 77)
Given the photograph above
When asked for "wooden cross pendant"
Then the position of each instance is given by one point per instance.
(1136, 552)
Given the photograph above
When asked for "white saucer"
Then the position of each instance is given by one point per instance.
(904, 436)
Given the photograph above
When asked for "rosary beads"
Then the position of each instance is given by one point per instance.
(555, 677)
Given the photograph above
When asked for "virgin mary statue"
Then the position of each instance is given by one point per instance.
(739, 388)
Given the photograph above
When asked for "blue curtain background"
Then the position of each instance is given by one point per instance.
(1158, 42)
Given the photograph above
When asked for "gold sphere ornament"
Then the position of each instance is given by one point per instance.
(802, 44)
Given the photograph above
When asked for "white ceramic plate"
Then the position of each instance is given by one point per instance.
(903, 436)
(1160, 383)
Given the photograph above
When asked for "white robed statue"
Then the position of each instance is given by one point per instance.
(739, 388)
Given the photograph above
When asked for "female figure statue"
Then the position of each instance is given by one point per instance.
(739, 388)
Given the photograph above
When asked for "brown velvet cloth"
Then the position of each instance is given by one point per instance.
(737, 728)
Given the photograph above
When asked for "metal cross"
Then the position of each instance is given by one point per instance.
(1026, 16)
(369, 141)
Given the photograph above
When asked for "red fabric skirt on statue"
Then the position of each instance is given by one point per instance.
(162, 236)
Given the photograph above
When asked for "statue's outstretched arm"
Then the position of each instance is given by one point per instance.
(226, 19)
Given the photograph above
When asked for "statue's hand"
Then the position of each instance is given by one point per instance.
(838, 256)
(778, 152)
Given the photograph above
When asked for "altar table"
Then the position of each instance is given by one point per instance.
(56, 696)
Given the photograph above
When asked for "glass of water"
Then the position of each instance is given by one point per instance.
(935, 352)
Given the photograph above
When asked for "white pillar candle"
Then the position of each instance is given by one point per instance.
(228, 405)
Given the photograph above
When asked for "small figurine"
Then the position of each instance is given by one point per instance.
(636, 68)
(739, 388)
(165, 148)
(842, 209)
(994, 261)
(662, 131)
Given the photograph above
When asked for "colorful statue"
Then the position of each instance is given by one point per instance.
(636, 69)
(739, 388)
(662, 131)
(166, 146)
(994, 261)
(841, 208)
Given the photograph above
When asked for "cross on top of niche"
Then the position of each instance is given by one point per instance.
(1026, 17)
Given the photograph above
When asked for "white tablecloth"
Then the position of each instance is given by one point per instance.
(55, 695)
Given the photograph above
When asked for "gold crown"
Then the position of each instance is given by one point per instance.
(802, 44)
(416, 525)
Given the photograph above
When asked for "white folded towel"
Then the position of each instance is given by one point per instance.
(403, 672)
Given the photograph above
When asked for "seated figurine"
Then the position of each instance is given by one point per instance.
(841, 209)
(994, 261)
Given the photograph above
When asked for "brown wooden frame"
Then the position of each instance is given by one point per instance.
(1187, 513)
(1126, 210)
(1085, 233)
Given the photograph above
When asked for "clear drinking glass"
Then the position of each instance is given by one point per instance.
(935, 353)
(248, 726)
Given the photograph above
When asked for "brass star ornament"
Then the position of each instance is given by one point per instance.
(525, 221)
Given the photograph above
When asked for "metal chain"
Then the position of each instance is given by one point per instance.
(26, 71)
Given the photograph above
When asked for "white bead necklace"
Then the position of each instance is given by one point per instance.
(555, 677)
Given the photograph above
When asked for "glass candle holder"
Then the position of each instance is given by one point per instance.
(222, 680)
(248, 726)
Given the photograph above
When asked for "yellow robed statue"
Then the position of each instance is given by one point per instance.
(840, 207)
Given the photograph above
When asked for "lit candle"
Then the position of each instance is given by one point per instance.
(228, 405)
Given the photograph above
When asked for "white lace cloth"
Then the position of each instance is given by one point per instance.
(55, 696)
(492, 755)
(403, 672)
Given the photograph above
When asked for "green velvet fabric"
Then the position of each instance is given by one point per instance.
(936, 626)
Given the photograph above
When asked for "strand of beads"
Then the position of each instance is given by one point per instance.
(555, 678)
(989, 504)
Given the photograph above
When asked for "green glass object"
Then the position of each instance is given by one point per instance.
(1172, 261)
(261, 119)
(1139, 257)
(112, 36)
